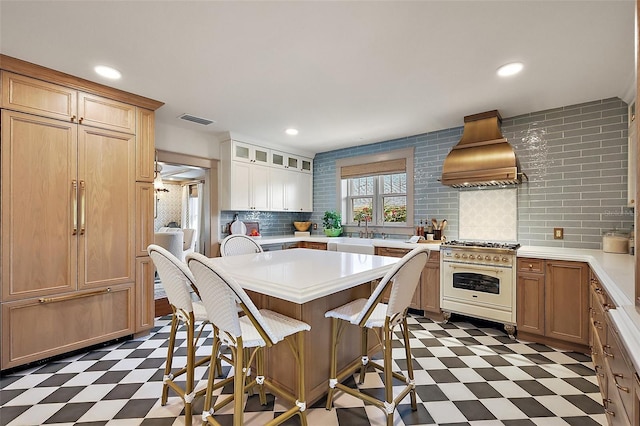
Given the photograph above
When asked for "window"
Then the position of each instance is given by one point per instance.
(377, 188)
(378, 199)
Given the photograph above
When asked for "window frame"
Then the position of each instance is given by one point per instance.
(363, 161)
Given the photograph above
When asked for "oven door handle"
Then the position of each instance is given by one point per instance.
(471, 268)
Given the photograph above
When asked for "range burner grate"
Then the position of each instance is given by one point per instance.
(482, 244)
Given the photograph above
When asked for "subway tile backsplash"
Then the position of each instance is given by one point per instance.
(575, 158)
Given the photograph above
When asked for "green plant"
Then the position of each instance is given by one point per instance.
(331, 220)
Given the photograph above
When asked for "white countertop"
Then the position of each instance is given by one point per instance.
(615, 271)
(302, 275)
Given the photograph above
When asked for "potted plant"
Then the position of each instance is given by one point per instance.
(332, 223)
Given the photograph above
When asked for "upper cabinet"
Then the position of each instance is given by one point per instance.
(250, 153)
(633, 155)
(258, 178)
(33, 96)
(291, 162)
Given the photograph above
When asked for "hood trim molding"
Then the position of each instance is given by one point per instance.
(483, 156)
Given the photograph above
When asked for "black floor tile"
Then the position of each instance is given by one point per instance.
(70, 413)
(63, 394)
(531, 407)
(474, 410)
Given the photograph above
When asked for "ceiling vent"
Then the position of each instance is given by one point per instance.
(197, 120)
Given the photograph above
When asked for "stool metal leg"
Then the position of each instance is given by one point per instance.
(333, 367)
(407, 349)
(169, 362)
(388, 376)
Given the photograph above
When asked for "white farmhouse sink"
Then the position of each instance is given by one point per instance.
(351, 245)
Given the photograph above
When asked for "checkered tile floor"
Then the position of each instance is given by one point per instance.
(466, 374)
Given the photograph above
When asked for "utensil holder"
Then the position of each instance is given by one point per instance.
(437, 234)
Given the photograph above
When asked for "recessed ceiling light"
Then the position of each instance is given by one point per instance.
(510, 69)
(108, 72)
(291, 132)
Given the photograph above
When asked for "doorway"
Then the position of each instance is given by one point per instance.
(184, 201)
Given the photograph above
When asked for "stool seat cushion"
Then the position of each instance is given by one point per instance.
(281, 326)
(351, 310)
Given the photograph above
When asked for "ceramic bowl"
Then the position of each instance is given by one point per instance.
(301, 226)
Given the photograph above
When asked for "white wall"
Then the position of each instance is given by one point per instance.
(185, 141)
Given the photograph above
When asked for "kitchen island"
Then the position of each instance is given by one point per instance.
(304, 284)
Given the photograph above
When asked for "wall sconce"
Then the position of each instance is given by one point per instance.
(158, 185)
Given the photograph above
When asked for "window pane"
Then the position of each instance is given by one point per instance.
(394, 184)
(395, 209)
(361, 208)
(361, 186)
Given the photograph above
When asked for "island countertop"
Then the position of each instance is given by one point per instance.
(302, 275)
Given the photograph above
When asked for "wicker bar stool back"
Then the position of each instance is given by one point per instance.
(370, 313)
(179, 284)
(255, 330)
(236, 244)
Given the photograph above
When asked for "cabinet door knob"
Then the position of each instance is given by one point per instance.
(80, 120)
(530, 266)
(73, 118)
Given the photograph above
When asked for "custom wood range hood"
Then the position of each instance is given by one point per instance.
(483, 157)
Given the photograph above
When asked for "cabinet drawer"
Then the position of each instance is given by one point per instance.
(391, 251)
(622, 375)
(597, 319)
(531, 265)
(20, 93)
(313, 245)
(598, 363)
(64, 323)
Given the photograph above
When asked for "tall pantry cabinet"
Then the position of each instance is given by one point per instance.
(76, 213)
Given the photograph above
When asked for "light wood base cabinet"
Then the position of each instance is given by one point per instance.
(427, 295)
(74, 221)
(616, 375)
(552, 303)
(38, 328)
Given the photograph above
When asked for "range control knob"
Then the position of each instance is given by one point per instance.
(504, 259)
(457, 256)
(487, 258)
(471, 257)
(464, 255)
(496, 258)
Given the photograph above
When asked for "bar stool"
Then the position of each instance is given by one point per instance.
(369, 314)
(239, 244)
(179, 284)
(256, 330)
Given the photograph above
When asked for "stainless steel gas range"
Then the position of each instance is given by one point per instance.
(478, 279)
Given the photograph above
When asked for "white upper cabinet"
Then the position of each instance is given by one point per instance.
(290, 161)
(258, 178)
(250, 153)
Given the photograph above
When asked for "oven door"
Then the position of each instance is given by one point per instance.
(488, 285)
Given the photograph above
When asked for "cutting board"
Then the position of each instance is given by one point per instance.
(238, 227)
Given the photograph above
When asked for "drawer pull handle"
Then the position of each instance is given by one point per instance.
(530, 266)
(73, 296)
(604, 350)
(598, 325)
(610, 413)
(607, 306)
(615, 379)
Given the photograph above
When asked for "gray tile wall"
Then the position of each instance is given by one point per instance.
(575, 157)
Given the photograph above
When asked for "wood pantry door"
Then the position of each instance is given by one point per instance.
(39, 245)
(106, 172)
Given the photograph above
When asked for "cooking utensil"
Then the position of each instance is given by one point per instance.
(434, 222)
(443, 224)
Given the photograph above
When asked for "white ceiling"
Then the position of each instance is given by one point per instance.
(343, 73)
